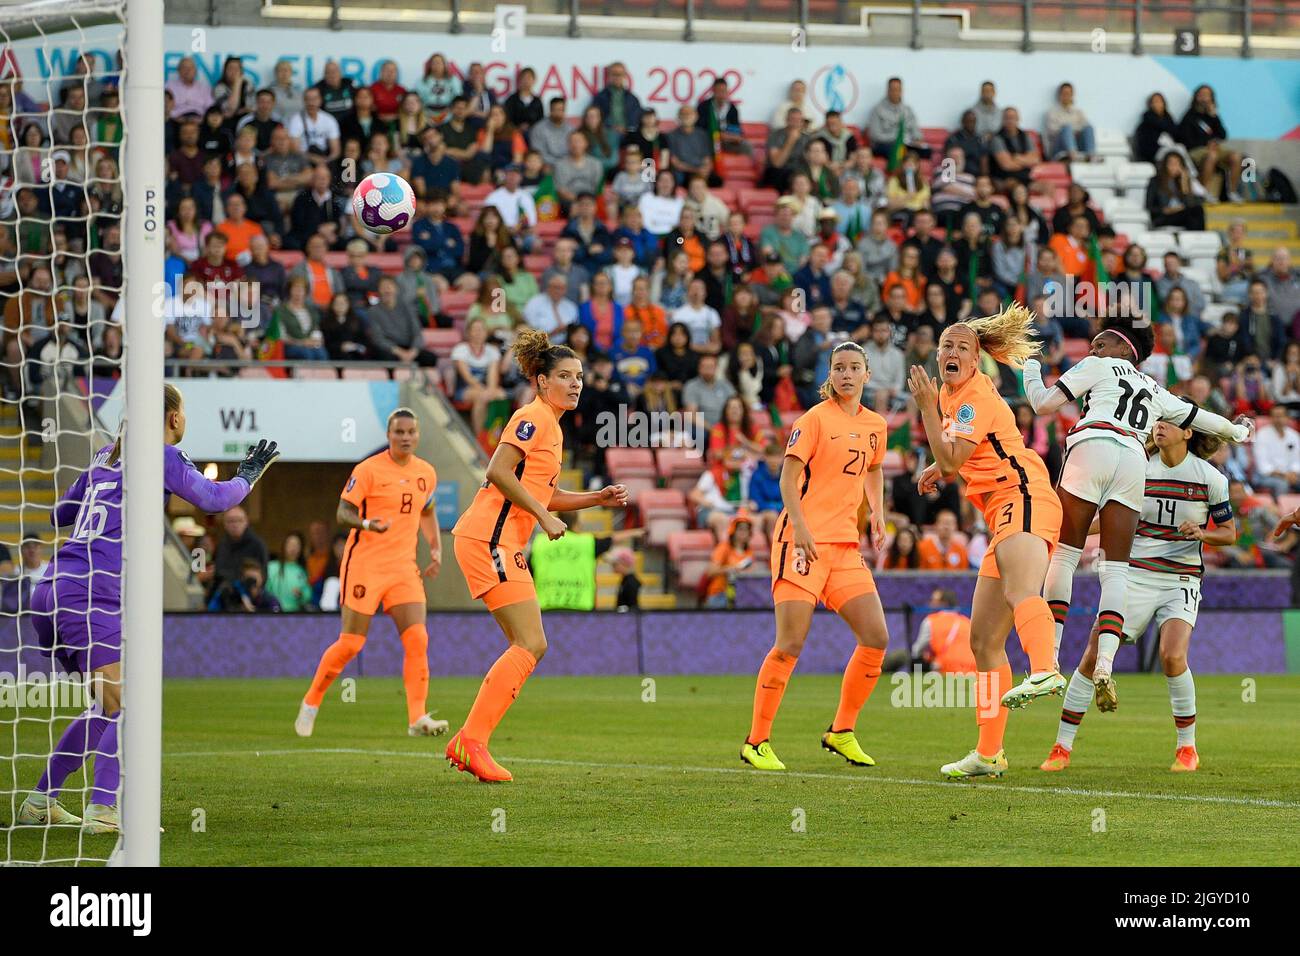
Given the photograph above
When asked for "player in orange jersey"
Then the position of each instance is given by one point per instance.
(387, 501)
(972, 433)
(832, 464)
(518, 495)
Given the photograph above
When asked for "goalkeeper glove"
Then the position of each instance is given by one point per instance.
(259, 458)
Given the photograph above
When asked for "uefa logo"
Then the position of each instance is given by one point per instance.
(833, 87)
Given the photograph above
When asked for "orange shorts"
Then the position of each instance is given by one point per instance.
(499, 576)
(366, 588)
(1009, 511)
(839, 574)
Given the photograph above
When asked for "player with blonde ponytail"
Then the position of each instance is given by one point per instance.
(973, 433)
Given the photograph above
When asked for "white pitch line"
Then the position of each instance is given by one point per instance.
(867, 777)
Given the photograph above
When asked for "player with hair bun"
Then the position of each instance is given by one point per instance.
(518, 495)
(977, 438)
(1104, 472)
(387, 501)
(1184, 492)
(831, 473)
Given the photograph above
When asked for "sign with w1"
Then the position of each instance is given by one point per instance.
(311, 420)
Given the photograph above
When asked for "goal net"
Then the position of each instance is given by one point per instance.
(81, 187)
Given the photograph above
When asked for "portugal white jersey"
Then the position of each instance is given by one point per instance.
(1120, 403)
(1193, 490)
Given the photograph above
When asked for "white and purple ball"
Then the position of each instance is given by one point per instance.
(384, 203)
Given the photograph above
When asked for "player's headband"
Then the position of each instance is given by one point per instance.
(1127, 341)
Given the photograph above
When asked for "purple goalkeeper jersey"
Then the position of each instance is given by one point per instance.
(93, 506)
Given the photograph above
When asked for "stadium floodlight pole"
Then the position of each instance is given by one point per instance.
(141, 800)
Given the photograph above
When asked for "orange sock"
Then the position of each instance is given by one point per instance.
(415, 671)
(331, 665)
(859, 681)
(990, 715)
(499, 689)
(1037, 631)
(772, 678)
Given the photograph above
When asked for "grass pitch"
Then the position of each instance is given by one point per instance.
(603, 776)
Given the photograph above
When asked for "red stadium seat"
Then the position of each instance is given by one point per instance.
(893, 463)
(537, 264)
(441, 341)
(366, 374)
(255, 373)
(679, 468)
(1076, 349)
(313, 372)
(287, 257)
(1052, 172)
(630, 463)
(689, 552)
(663, 514)
(475, 194)
(752, 200)
(456, 303)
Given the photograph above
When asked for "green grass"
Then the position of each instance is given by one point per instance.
(602, 777)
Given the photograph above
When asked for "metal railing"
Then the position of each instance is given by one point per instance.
(1144, 20)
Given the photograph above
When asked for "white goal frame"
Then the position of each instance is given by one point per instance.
(143, 184)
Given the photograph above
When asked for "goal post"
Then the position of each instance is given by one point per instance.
(132, 30)
(144, 183)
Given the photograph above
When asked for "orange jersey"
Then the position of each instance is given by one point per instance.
(381, 488)
(837, 449)
(492, 517)
(976, 413)
(950, 642)
(932, 559)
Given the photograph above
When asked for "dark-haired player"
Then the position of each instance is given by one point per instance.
(1105, 468)
(518, 495)
(1183, 493)
(388, 500)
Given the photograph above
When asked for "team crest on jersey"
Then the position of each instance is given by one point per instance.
(525, 431)
(794, 437)
(966, 414)
(871, 440)
(421, 485)
(520, 562)
(358, 591)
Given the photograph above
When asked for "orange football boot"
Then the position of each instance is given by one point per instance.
(1058, 759)
(1186, 760)
(473, 757)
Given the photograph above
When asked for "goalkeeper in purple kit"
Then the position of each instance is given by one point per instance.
(77, 608)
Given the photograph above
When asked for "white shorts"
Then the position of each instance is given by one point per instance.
(1153, 595)
(1100, 470)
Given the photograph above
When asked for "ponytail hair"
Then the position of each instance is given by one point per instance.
(537, 355)
(171, 403)
(1007, 336)
(827, 391)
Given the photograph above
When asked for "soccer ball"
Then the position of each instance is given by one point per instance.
(384, 203)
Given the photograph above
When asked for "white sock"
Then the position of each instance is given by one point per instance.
(1182, 700)
(1059, 585)
(1077, 698)
(1110, 611)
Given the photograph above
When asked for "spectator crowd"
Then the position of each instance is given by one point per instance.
(704, 263)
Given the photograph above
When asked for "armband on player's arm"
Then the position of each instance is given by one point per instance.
(1043, 400)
